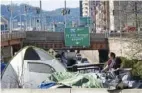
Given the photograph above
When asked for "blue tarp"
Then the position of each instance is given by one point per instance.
(3, 65)
(45, 85)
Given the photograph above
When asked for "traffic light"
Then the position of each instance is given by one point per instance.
(25, 8)
(8, 8)
(37, 20)
(38, 10)
(113, 12)
(68, 11)
(65, 11)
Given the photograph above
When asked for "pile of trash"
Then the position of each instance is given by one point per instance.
(89, 80)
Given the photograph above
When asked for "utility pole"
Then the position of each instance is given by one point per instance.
(89, 24)
(65, 17)
(95, 15)
(120, 27)
(20, 20)
(41, 15)
(26, 17)
(11, 15)
(105, 18)
(136, 16)
(119, 18)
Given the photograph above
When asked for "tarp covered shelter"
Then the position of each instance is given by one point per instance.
(29, 67)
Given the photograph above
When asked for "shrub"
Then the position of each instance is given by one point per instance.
(137, 69)
(127, 63)
(134, 64)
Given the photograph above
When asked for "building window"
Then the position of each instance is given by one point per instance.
(86, 3)
(92, 14)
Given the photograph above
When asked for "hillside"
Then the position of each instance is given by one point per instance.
(54, 15)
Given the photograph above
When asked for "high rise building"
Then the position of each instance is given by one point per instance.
(113, 15)
(102, 16)
(85, 8)
(88, 10)
(127, 14)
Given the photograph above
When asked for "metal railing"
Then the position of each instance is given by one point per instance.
(6, 35)
(14, 35)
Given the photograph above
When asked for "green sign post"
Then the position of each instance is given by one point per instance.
(77, 37)
(69, 24)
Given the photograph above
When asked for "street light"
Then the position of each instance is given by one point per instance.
(10, 9)
(20, 19)
(28, 14)
(65, 11)
(65, 14)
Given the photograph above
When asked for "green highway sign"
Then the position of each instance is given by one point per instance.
(78, 36)
(85, 20)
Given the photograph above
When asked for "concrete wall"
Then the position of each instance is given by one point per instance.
(118, 46)
(67, 90)
(121, 47)
(124, 47)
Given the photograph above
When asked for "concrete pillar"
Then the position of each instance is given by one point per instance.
(103, 55)
(11, 49)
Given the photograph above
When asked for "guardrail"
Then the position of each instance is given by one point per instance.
(86, 67)
(5, 36)
(125, 34)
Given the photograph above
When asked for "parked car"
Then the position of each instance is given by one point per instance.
(85, 60)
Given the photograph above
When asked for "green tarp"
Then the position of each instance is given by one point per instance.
(88, 80)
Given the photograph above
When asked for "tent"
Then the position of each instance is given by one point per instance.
(29, 67)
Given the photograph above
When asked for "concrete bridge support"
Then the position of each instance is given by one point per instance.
(7, 52)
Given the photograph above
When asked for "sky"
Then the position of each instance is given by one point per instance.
(48, 5)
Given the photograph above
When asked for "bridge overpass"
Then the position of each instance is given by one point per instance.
(55, 40)
(12, 42)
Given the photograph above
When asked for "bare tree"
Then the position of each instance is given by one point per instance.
(129, 13)
(134, 45)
